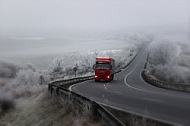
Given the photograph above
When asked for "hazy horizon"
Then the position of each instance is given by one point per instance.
(81, 17)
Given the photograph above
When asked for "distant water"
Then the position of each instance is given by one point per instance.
(42, 51)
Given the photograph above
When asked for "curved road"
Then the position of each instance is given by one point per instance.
(128, 92)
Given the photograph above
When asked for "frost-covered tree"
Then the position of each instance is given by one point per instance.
(162, 53)
(172, 73)
(30, 66)
(8, 69)
(27, 77)
(26, 82)
(169, 62)
(56, 67)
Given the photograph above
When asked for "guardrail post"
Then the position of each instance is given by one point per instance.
(50, 88)
(94, 108)
(57, 91)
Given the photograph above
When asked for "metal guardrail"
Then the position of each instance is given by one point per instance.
(167, 85)
(56, 87)
(72, 80)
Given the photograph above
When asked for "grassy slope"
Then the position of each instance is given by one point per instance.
(42, 110)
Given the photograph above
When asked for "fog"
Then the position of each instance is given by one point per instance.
(22, 17)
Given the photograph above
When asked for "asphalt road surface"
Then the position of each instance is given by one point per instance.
(128, 92)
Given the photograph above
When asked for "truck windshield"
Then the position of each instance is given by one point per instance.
(102, 66)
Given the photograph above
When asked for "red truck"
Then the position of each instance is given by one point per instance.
(104, 69)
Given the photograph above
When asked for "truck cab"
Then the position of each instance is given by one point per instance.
(104, 69)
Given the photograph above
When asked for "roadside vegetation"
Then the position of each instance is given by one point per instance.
(169, 61)
(23, 89)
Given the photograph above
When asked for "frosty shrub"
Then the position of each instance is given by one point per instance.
(27, 77)
(27, 81)
(171, 73)
(56, 69)
(69, 71)
(169, 62)
(8, 69)
(57, 65)
(184, 58)
(22, 83)
(162, 52)
(31, 67)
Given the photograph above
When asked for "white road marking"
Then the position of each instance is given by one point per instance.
(105, 86)
(154, 100)
(117, 92)
(70, 88)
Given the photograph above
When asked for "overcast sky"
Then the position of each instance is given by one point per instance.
(86, 14)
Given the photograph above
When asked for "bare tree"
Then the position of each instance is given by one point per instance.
(56, 68)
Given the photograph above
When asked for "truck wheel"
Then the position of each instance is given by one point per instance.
(112, 77)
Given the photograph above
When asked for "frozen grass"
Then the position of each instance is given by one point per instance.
(41, 109)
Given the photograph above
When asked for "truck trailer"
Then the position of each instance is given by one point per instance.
(104, 69)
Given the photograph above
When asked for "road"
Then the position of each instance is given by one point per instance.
(128, 92)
